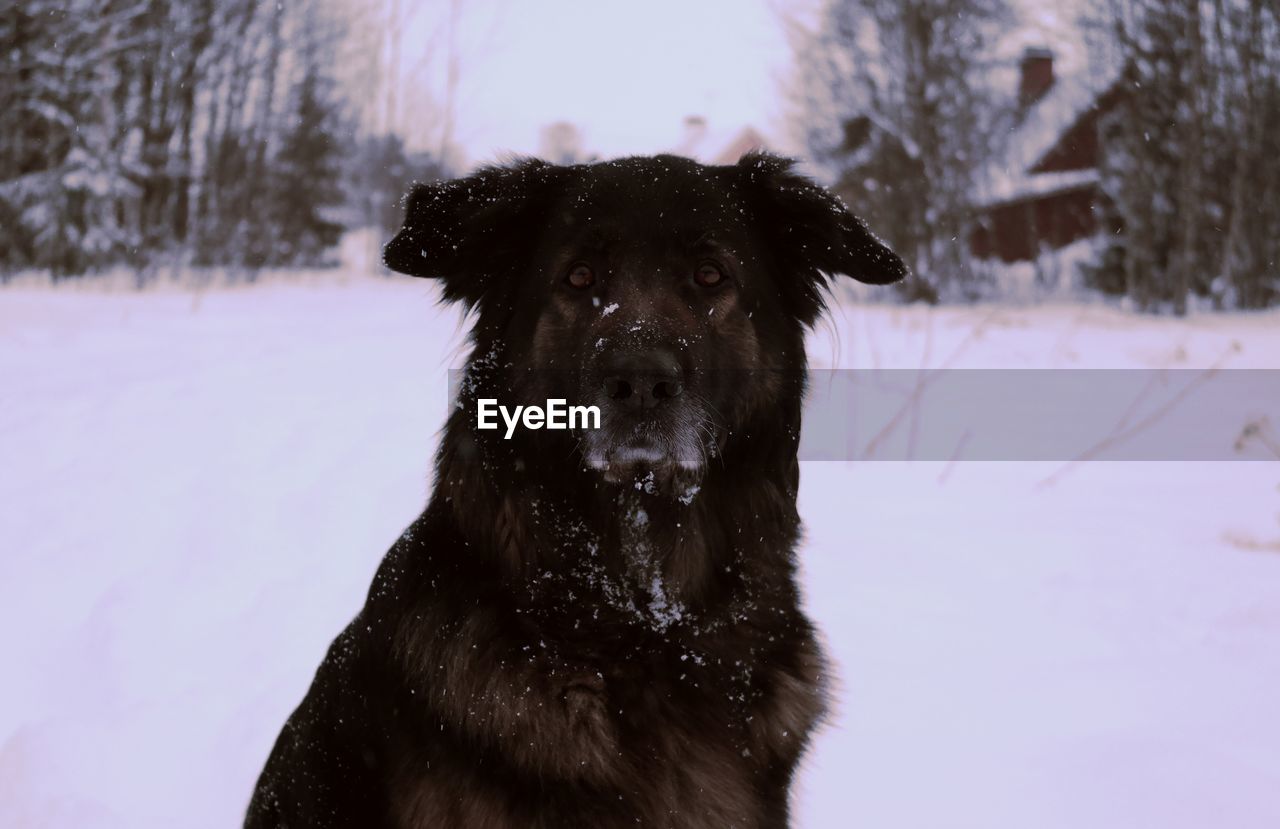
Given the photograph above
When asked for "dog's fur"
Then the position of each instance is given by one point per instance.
(602, 628)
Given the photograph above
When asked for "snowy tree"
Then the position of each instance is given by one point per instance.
(1248, 45)
(1191, 158)
(305, 178)
(891, 102)
(148, 130)
(60, 174)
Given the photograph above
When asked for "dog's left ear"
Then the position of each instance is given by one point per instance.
(812, 231)
(466, 231)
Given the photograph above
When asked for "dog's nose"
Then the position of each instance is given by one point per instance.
(643, 379)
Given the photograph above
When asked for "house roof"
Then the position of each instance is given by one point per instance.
(746, 141)
(1008, 176)
(713, 146)
(1039, 185)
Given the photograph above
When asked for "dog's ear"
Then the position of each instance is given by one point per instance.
(812, 233)
(465, 231)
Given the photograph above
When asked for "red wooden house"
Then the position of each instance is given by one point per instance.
(1042, 193)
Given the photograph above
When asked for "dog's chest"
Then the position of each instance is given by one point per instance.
(697, 742)
(713, 737)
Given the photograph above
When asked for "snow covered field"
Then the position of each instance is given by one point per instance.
(195, 490)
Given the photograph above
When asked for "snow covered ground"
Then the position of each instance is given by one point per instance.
(196, 488)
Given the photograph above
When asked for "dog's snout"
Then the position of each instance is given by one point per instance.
(643, 379)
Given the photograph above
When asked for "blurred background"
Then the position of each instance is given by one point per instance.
(217, 410)
(1127, 147)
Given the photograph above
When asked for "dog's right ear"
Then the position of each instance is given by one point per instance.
(467, 231)
(812, 231)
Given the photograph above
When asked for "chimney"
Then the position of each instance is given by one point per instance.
(695, 129)
(1037, 75)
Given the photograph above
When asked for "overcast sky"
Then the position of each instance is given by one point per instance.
(626, 73)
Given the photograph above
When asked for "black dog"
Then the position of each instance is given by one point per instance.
(597, 627)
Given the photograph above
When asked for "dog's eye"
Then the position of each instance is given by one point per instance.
(708, 275)
(581, 276)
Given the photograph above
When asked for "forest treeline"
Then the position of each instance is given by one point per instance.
(237, 133)
(206, 132)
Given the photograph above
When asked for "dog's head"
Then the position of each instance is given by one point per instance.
(669, 294)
